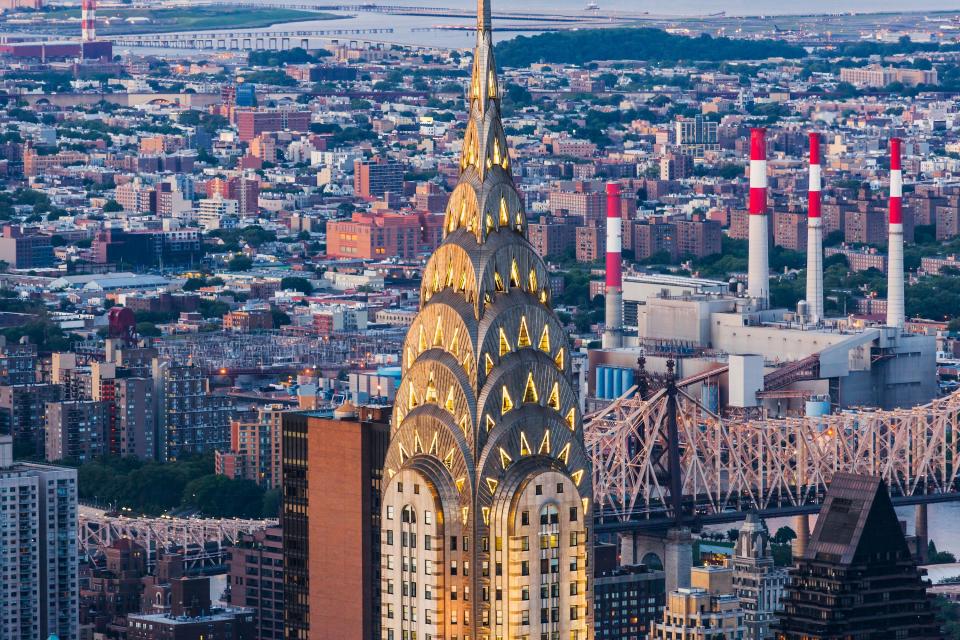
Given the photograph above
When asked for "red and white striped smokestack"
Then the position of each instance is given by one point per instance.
(88, 21)
(758, 270)
(814, 235)
(896, 313)
(613, 334)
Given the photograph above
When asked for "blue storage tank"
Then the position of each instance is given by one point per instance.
(817, 407)
(710, 397)
(601, 383)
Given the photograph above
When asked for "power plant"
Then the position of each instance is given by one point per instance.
(613, 333)
(88, 21)
(749, 358)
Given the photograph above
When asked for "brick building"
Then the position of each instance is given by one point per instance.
(591, 242)
(251, 124)
(368, 236)
(331, 539)
(373, 178)
(22, 249)
(790, 230)
(552, 236)
(255, 580)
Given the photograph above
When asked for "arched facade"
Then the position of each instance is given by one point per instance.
(487, 502)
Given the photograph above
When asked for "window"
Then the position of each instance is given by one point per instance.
(525, 593)
(427, 544)
(574, 538)
(453, 592)
(559, 487)
(427, 517)
(453, 543)
(453, 567)
(539, 490)
(525, 518)
(389, 537)
(573, 514)
(390, 510)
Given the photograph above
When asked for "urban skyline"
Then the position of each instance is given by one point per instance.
(323, 322)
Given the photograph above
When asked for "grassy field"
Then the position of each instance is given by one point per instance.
(133, 21)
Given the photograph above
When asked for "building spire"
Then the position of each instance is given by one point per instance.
(484, 20)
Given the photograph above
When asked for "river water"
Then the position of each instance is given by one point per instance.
(409, 30)
(943, 527)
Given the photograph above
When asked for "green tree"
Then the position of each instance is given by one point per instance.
(221, 497)
(112, 206)
(240, 263)
(296, 283)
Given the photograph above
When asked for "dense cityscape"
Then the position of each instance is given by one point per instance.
(473, 322)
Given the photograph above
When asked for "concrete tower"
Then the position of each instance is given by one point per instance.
(896, 315)
(814, 235)
(613, 334)
(88, 21)
(487, 497)
(758, 269)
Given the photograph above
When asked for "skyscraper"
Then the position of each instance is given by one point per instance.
(486, 506)
(857, 577)
(38, 565)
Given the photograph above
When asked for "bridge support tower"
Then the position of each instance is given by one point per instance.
(671, 551)
(921, 531)
(801, 525)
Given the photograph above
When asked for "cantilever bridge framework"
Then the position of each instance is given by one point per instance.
(762, 465)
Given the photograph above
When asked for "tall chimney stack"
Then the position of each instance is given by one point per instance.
(758, 271)
(88, 21)
(613, 334)
(896, 314)
(814, 235)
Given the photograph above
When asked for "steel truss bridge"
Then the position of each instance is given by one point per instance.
(200, 540)
(240, 40)
(666, 458)
(278, 353)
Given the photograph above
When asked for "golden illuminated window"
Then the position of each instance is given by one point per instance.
(545, 444)
(504, 216)
(559, 358)
(487, 363)
(554, 400)
(514, 274)
(524, 338)
(504, 343)
(524, 445)
(489, 220)
(530, 391)
(532, 280)
(507, 402)
(438, 334)
(498, 282)
(545, 339)
(572, 418)
(431, 395)
(505, 459)
(449, 402)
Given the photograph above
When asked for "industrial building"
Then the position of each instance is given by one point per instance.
(784, 361)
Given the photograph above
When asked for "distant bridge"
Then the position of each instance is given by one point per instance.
(239, 40)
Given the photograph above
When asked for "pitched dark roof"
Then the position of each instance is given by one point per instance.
(855, 505)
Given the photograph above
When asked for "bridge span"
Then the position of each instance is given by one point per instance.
(241, 40)
(667, 460)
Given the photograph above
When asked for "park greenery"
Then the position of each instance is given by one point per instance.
(187, 485)
(652, 45)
